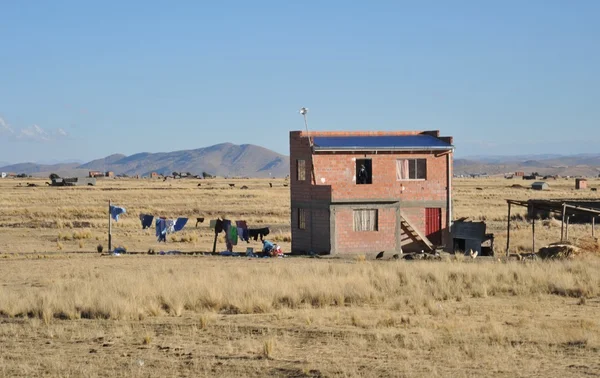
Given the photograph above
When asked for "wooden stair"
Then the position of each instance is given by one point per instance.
(415, 234)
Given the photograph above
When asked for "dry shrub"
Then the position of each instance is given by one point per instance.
(83, 234)
(589, 244)
(282, 237)
(184, 238)
(268, 348)
(204, 321)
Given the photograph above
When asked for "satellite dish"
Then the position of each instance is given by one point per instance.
(303, 111)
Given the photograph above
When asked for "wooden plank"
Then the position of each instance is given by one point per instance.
(426, 241)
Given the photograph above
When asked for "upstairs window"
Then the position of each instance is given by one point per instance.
(300, 170)
(411, 169)
(366, 220)
(364, 173)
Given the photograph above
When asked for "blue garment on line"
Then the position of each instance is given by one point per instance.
(179, 224)
(147, 221)
(115, 211)
(161, 229)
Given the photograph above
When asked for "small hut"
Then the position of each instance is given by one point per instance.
(540, 185)
(580, 183)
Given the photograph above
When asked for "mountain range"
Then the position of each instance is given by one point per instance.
(550, 164)
(224, 159)
(249, 160)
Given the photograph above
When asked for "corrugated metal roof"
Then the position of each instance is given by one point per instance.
(380, 142)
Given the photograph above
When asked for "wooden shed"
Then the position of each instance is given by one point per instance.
(540, 185)
(580, 183)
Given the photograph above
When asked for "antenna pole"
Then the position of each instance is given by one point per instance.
(303, 111)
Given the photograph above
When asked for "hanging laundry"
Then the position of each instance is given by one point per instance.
(180, 224)
(243, 234)
(218, 226)
(146, 220)
(115, 211)
(161, 229)
(226, 225)
(255, 233)
(170, 226)
(233, 235)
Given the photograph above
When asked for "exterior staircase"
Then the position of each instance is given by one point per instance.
(414, 233)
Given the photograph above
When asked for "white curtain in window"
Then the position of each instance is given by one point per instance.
(402, 169)
(365, 220)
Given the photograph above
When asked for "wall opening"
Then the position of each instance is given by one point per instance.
(366, 220)
(302, 219)
(300, 170)
(364, 172)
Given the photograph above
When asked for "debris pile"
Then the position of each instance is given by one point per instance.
(559, 251)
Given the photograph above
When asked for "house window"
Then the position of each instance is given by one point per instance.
(302, 219)
(366, 220)
(411, 169)
(301, 170)
(364, 171)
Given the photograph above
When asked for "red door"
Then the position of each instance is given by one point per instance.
(433, 225)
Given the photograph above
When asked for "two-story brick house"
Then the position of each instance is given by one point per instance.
(364, 192)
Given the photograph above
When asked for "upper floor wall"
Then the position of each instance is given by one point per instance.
(404, 175)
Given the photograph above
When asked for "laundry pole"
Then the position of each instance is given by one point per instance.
(109, 229)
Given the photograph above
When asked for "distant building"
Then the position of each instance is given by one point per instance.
(95, 174)
(580, 183)
(74, 181)
(540, 185)
(109, 174)
(3, 174)
(519, 174)
(154, 175)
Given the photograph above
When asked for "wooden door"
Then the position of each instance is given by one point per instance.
(433, 225)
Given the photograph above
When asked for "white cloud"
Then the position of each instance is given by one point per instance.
(5, 127)
(32, 133)
(61, 132)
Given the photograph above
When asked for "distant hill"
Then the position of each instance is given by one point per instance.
(572, 165)
(224, 159)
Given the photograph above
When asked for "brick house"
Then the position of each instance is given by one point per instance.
(365, 192)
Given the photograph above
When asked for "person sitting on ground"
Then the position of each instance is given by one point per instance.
(267, 248)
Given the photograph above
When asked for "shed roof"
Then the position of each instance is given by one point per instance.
(380, 142)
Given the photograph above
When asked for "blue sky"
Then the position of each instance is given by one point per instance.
(82, 80)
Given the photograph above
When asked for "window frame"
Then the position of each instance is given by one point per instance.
(416, 162)
(375, 222)
(301, 218)
(300, 171)
(369, 168)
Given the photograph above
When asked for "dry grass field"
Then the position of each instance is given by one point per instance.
(66, 311)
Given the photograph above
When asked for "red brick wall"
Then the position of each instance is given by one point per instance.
(350, 241)
(338, 171)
